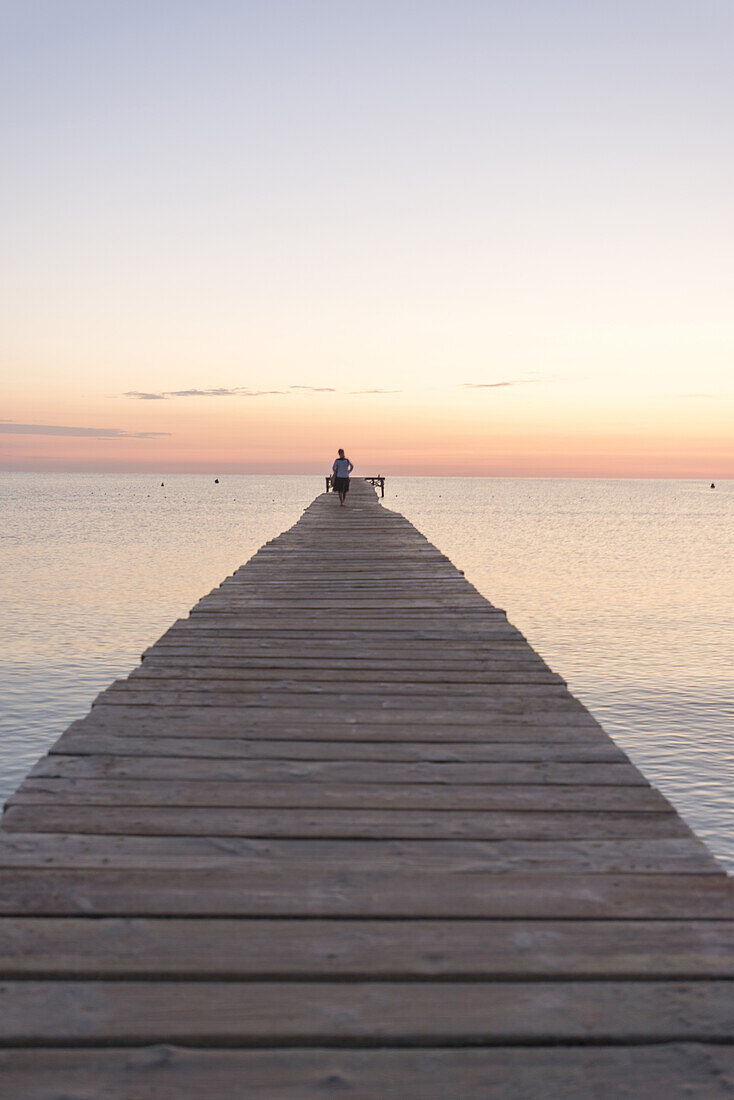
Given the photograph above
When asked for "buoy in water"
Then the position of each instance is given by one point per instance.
(216, 480)
(712, 485)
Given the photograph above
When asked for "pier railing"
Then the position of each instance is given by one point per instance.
(378, 480)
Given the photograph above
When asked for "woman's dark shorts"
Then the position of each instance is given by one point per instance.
(341, 484)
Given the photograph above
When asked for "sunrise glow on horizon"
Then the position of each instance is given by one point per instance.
(467, 239)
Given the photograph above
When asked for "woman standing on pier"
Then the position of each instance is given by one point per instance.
(341, 470)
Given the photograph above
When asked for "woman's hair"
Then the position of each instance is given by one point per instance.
(341, 452)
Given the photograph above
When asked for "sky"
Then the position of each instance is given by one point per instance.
(466, 238)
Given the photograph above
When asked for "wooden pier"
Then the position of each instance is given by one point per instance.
(343, 833)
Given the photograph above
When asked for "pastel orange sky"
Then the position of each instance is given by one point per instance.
(465, 239)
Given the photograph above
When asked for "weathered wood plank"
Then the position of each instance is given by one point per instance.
(421, 681)
(317, 586)
(372, 570)
(349, 772)
(350, 702)
(466, 623)
(392, 634)
(280, 652)
(123, 744)
(553, 706)
(287, 889)
(383, 823)
(358, 626)
(678, 855)
(464, 693)
(436, 797)
(266, 649)
(113, 947)
(283, 725)
(673, 1070)
(370, 1013)
(353, 602)
(349, 710)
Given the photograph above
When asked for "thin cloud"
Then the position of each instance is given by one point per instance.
(59, 429)
(243, 391)
(220, 391)
(314, 389)
(498, 385)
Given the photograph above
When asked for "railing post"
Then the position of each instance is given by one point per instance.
(374, 481)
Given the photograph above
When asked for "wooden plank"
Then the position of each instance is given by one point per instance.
(678, 855)
(282, 725)
(349, 772)
(335, 622)
(291, 577)
(372, 572)
(403, 578)
(350, 709)
(424, 681)
(354, 699)
(262, 726)
(428, 641)
(435, 797)
(316, 552)
(376, 567)
(221, 1013)
(351, 602)
(140, 947)
(673, 1070)
(353, 631)
(268, 651)
(284, 822)
(340, 682)
(124, 744)
(218, 656)
(291, 890)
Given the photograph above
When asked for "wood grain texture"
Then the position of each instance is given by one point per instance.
(76, 744)
(677, 1071)
(669, 855)
(139, 947)
(595, 774)
(364, 1014)
(299, 794)
(351, 823)
(288, 889)
(205, 723)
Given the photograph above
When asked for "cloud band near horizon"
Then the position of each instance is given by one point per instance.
(243, 391)
(11, 428)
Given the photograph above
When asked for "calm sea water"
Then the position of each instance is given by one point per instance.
(625, 587)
